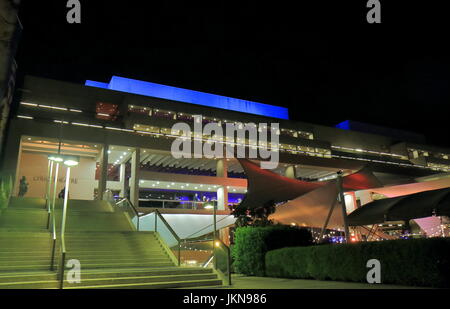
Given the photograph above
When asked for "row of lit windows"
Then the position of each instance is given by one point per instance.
(359, 150)
(417, 153)
(189, 117)
(159, 113)
(294, 133)
(438, 166)
(318, 151)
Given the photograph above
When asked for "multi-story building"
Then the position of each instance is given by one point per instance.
(122, 132)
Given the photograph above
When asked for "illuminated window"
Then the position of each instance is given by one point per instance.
(159, 113)
(106, 111)
(140, 110)
(185, 117)
(146, 128)
(305, 135)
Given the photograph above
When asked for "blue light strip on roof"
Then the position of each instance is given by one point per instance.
(344, 125)
(190, 96)
(92, 83)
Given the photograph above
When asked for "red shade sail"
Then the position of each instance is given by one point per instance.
(265, 186)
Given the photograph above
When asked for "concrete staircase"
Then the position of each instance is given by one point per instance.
(101, 238)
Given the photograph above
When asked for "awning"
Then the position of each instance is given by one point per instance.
(311, 209)
(402, 208)
(265, 186)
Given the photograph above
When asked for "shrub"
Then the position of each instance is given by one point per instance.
(419, 262)
(5, 190)
(252, 243)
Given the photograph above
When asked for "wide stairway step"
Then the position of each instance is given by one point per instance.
(111, 253)
(143, 278)
(27, 202)
(155, 285)
(28, 218)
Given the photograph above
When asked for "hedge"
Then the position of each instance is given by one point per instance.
(6, 186)
(414, 262)
(252, 243)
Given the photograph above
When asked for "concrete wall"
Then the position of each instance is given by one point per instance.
(82, 177)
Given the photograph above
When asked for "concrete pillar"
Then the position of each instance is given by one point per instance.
(222, 168)
(123, 181)
(290, 172)
(103, 178)
(222, 198)
(134, 180)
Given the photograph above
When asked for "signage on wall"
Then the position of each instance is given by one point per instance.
(60, 179)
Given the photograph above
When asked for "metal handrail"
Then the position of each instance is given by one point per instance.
(228, 253)
(174, 234)
(62, 244)
(205, 227)
(185, 240)
(157, 214)
(52, 262)
(62, 266)
(133, 208)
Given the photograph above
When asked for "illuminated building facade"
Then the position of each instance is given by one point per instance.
(122, 132)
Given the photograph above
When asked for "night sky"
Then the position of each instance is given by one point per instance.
(322, 61)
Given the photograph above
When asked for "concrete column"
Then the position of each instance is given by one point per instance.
(222, 168)
(103, 172)
(123, 181)
(290, 172)
(222, 198)
(134, 180)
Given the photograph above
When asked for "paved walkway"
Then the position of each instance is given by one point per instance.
(244, 282)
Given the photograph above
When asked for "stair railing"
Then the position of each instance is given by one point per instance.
(130, 210)
(53, 232)
(221, 252)
(222, 260)
(55, 243)
(133, 213)
(170, 229)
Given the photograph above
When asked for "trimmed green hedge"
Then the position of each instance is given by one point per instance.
(5, 190)
(252, 243)
(414, 262)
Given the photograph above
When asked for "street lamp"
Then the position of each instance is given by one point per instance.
(53, 158)
(69, 161)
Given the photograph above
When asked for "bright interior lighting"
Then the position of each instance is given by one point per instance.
(70, 162)
(55, 158)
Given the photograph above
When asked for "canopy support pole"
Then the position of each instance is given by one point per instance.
(327, 220)
(344, 210)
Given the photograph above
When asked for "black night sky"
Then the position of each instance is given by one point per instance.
(323, 61)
